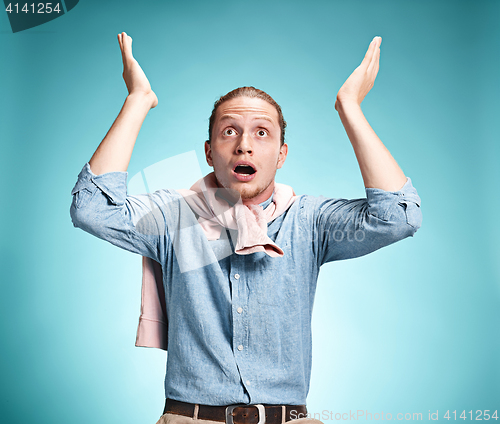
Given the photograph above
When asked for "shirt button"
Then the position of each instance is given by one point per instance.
(240, 347)
(237, 276)
(240, 310)
(248, 382)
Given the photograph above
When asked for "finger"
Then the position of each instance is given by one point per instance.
(127, 43)
(369, 53)
(122, 46)
(120, 39)
(376, 55)
(375, 48)
(373, 68)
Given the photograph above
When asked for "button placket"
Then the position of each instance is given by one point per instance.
(239, 301)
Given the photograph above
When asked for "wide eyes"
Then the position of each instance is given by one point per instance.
(230, 132)
(262, 133)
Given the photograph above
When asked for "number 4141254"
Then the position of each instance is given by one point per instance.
(34, 8)
(479, 415)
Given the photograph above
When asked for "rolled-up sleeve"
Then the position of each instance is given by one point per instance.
(344, 229)
(102, 208)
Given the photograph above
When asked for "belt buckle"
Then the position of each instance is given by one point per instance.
(260, 408)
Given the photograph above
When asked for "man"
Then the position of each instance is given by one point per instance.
(239, 322)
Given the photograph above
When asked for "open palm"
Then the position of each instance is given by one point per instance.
(134, 76)
(361, 81)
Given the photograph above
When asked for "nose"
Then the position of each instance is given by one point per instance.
(245, 144)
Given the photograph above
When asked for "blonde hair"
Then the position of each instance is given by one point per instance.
(251, 92)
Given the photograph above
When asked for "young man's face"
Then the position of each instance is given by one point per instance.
(246, 131)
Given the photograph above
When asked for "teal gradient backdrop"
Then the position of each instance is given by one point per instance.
(410, 328)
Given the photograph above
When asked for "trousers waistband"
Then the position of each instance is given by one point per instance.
(237, 414)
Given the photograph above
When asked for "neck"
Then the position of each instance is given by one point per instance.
(261, 197)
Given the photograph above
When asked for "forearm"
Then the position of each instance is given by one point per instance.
(115, 150)
(378, 168)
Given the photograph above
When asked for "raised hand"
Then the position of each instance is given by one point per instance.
(134, 76)
(361, 80)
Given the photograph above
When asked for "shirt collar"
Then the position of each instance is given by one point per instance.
(267, 202)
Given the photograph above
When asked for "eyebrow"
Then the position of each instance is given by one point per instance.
(229, 116)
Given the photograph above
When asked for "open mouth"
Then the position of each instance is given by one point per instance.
(244, 170)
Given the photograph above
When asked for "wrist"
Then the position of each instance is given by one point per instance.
(142, 98)
(345, 105)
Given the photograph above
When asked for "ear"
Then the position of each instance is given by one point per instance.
(282, 156)
(208, 154)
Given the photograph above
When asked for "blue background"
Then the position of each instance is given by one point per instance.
(410, 328)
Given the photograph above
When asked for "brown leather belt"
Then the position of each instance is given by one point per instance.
(237, 414)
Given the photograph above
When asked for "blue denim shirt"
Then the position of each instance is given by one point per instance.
(240, 325)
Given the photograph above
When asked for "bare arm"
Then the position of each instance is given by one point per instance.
(115, 150)
(378, 168)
